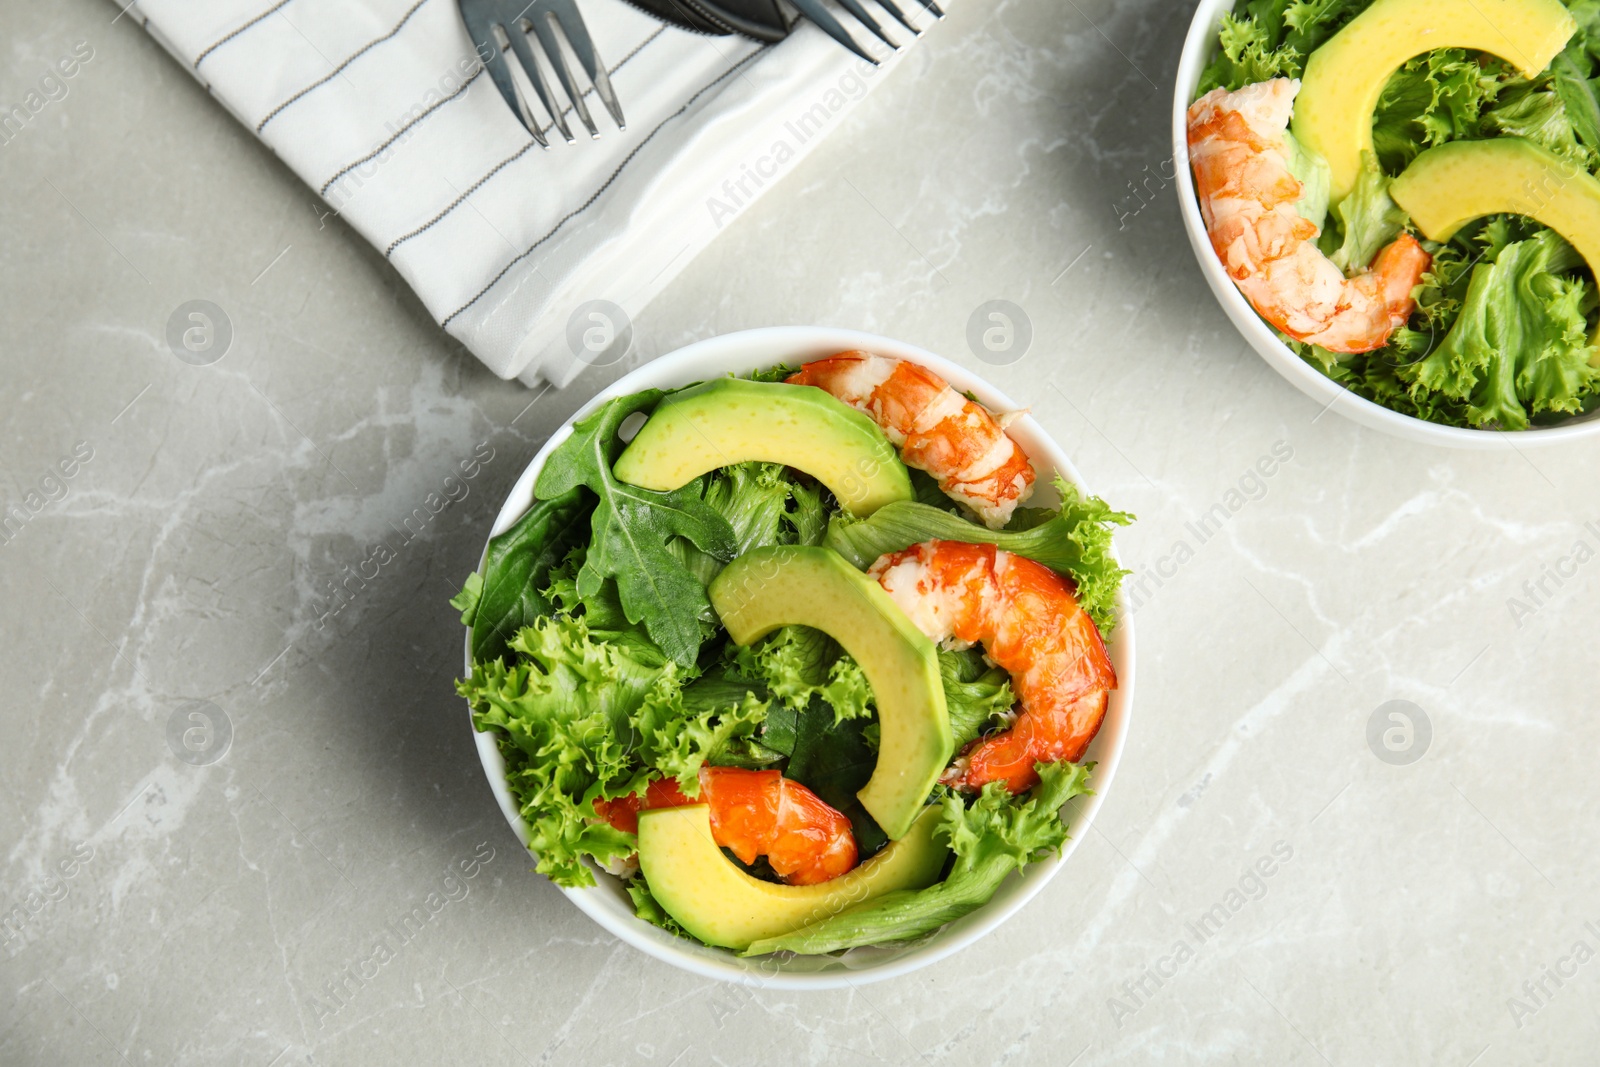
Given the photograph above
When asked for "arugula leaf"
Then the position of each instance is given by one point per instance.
(1076, 542)
(990, 839)
(631, 528)
(508, 595)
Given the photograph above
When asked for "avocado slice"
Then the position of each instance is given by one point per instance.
(1450, 185)
(788, 585)
(722, 905)
(717, 424)
(1343, 79)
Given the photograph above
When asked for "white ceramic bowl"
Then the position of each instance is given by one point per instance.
(1198, 50)
(607, 903)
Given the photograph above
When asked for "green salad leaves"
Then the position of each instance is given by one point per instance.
(631, 528)
(1520, 330)
(599, 666)
(1075, 541)
(1501, 334)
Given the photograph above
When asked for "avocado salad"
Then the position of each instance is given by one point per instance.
(673, 610)
(1486, 151)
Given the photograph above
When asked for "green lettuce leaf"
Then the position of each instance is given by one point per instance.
(976, 693)
(1536, 111)
(1436, 97)
(1519, 345)
(1248, 54)
(1571, 70)
(1076, 542)
(509, 594)
(1262, 39)
(582, 714)
(1586, 13)
(797, 663)
(995, 836)
(648, 908)
(764, 505)
(679, 731)
(1315, 179)
(631, 528)
(1368, 217)
(561, 713)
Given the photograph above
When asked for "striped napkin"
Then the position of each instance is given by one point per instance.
(383, 108)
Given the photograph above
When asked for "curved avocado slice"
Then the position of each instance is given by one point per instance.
(1450, 185)
(731, 420)
(1344, 78)
(787, 585)
(721, 905)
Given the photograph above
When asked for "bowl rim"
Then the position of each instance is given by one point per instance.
(741, 352)
(1198, 48)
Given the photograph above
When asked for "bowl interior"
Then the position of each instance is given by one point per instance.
(1198, 49)
(608, 903)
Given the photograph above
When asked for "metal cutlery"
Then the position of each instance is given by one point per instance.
(501, 26)
(816, 12)
(497, 26)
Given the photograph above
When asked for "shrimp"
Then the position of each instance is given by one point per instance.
(1028, 620)
(755, 813)
(1248, 195)
(936, 429)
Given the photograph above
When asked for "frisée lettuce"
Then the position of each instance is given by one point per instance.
(1500, 336)
(599, 667)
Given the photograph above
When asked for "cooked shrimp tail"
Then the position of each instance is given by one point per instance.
(1029, 622)
(755, 813)
(1248, 197)
(937, 429)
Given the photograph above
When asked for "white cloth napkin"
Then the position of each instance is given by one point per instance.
(383, 108)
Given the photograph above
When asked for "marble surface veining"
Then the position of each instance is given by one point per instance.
(1265, 884)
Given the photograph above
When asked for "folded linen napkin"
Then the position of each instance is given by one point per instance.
(383, 108)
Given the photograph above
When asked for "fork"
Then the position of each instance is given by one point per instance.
(817, 13)
(496, 25)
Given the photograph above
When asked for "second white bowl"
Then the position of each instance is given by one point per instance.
(1198, 50)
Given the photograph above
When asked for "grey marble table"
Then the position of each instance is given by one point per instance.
(1432, 896)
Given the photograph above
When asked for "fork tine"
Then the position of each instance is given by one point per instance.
(813, 10)
(938, 12)
(530, 66)
(899, 16)
(570, 20)
(855, 8)
(482, 29)
(543, 27)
